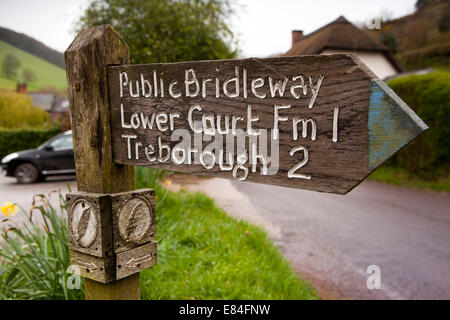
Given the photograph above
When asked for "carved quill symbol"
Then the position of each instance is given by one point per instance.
(132, 222)
(84, 221)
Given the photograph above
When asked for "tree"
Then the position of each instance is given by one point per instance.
(167, 30)
(28, 75)
(444, 21)
(389, 40)
(420, 4)
(10, 65)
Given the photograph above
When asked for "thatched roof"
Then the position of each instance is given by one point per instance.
(342, 35)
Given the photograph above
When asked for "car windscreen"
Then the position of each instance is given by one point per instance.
(59, 142)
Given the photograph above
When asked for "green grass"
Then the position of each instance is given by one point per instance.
(401, 177)
(205, 254)
(48, 75)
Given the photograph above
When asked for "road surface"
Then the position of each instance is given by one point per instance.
(331, 240)
(22, 194)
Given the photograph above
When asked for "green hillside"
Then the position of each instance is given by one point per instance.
(47, 75)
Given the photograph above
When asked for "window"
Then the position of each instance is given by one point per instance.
(65, 104)
(64, 142)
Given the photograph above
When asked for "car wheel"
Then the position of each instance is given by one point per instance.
(26, 173)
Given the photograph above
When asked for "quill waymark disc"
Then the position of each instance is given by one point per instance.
(135, 218)
(83, 223)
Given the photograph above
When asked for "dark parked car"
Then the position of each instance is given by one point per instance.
(54, 157)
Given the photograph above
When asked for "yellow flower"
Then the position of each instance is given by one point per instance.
(168, 182)
(9, 208)
(246, 232)
(183, 188)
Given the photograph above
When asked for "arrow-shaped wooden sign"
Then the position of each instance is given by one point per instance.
(313, 122)
(321, 122)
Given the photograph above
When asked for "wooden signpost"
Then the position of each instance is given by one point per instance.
(321, 123)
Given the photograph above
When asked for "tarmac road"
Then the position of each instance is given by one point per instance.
(331, 239)
(22, 194)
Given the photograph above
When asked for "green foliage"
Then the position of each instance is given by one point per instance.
(10, 65)
(22, 126)
(12, 140)
(435, 55)
(16, 111)
(205, 254)
(149, 177)
(34, 258)
(429, 96)
(389, 40)
(423, 37)
(47, 74)
(167, 30)
(420, 4)
(444, 21)
(401, 177)
(28, 75)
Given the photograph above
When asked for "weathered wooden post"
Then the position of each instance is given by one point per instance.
(87, 59)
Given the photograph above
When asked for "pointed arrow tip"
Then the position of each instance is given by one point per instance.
(392, 124)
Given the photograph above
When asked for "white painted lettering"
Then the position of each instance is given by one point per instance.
(335, 124)
(251, 119)
(191, 79)
(304, 124)
(315, 89)
(291, 173)
(278, 86)
(173, 94)
(235, 79)
(258, 83)
(302, 85)
(145, 84)
(277, 118)
(129, 137)
(122, 118)
(123, 80)
(191, 120)
(161, 121)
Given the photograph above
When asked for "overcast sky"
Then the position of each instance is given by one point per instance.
(263, 27)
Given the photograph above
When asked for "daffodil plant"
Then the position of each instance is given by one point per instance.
(9, 209)
(34, 258)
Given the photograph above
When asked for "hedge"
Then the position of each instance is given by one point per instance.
(434, 55)
(429, 95)
(16, 111)
(12, 140)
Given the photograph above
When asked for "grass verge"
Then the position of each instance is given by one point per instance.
(401, 177)
(205, 254)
